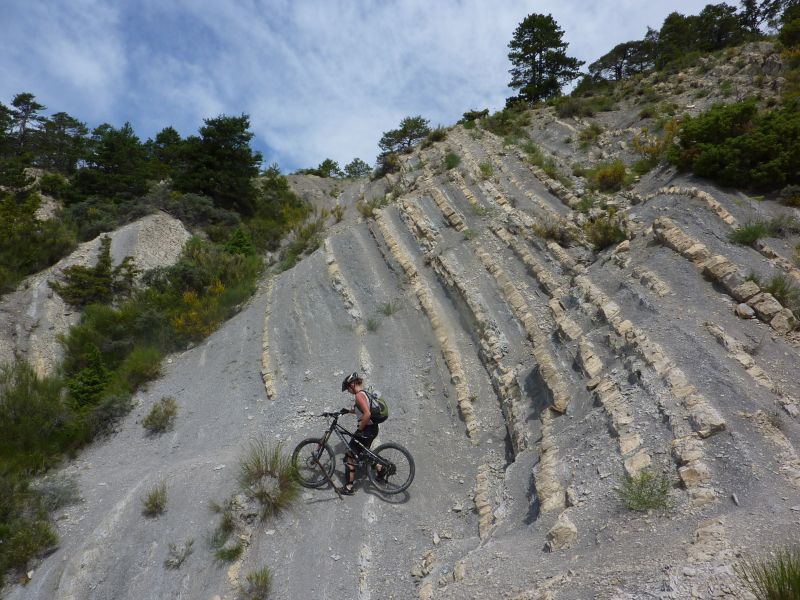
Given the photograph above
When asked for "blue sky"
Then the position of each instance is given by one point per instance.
(319, 78)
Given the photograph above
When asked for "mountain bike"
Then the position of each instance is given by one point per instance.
(315, 462)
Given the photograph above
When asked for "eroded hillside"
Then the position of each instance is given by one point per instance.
(528, 374)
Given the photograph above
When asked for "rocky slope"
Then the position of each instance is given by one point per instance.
(34, 316)
(526, 377)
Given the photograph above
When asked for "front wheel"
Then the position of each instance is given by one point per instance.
(312, 461)
(397, 469)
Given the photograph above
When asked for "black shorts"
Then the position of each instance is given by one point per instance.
(365, 437)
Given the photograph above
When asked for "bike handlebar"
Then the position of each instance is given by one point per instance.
(338, 413)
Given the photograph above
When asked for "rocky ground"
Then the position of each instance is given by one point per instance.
(34, 316)
(527, 377)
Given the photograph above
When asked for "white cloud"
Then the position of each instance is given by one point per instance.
(319, 78)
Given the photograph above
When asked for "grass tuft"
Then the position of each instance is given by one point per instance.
(161, 417)
(749, 233)
(451, 160)
(268, 476)
(337, 212)
(257, 585)
(155, 501)
(486, 170)
(776, 578)
(178, 554)
(784, 291)
(229, 553)
(645, 491)
(390, 307)
(373, 323)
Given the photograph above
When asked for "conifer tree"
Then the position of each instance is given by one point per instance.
(540, 62)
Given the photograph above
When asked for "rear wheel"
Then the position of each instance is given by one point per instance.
(398, 469)
(310, 458)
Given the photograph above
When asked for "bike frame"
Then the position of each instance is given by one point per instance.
(341, 432)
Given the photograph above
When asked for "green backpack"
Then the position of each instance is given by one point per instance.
(378, 408)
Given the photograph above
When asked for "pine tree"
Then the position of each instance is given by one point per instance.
(540, 63)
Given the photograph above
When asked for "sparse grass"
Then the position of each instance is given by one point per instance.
(551, 228)
(161, 417)
(486, 170)
(749, 233)
(480, 210)
(774, 578)
(225, 527)
(451, 161)
(645, 491)
(268, 476)
(796, 257)
(604, 231)
(784, 291)
(229, 553)
(373, 323)
(390, 307)
(257, 585)
(469, 233)
(154, 502)
(337, 212)
(589, 135)
(178, 554)
(367, 208)
(585, 204)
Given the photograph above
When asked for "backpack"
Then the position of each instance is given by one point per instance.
(378, 407)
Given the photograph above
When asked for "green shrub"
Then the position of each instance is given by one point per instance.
(154, 502)
(142, 364)
(25, 528)
(37, 424)
(240, 242)
(486, 170)
(774, 578)
(439, 134)
(509, 122)
(749, 233)
(739, 146)
(645, 491)
(644, 165)
(28, 245)
(101, 283)
(608, 177)
(53, 184)
(268, 476)
(790, 196)
(162, 415)
(604, 231)
(257, 585)
(451, 160)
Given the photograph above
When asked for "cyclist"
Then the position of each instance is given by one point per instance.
(366, 430)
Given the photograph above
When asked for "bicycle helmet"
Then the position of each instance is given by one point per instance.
(353, 377)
